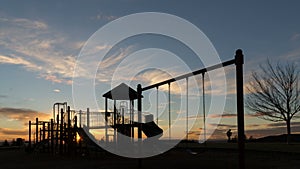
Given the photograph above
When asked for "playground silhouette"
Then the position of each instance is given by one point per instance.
(65, 141)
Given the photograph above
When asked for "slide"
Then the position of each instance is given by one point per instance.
(87, 137)
(151, 129)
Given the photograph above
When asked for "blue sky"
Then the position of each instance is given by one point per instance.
(40, 40)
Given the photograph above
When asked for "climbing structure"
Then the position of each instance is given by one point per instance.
(62, 134)
(123, 119)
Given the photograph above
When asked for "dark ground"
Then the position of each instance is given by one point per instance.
(210, 158)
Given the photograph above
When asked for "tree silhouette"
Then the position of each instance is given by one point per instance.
(274, 93)
(5, 143)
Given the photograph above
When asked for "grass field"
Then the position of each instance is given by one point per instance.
(274, 147)
(211, 156)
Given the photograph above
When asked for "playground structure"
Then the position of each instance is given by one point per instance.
(63, 133)
(58, 135)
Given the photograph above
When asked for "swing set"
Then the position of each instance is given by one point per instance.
(238, 61)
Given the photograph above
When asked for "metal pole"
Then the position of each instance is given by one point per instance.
(75, 133)
(157, 105)
(88, 118)
(44, 131)
(169, 85)
(29, 135)
(61, 131)
(44, 135)
(115, 122)
(80, 115)
(239, 61)
(56, 130)
(203, 107)
(69, 131)
(52, 136)
(69, 117)
(139, 106)
(139, 93)
(132, 111)
(36, 131)
(48, 135)
(187, 109)
(54, 111)
(106, 119)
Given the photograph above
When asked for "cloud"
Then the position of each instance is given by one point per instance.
(39, 48)
(15, 132)
(56, 90)
(18, 117)
(283, 124)
(18, 61)
(22, 115)
(223, 125)
(29, 23)
(224, 115)
(292, 55)
(295, 37)
(3, 96)
(104, 17)
(35, 46)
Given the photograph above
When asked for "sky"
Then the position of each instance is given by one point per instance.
(40, 42)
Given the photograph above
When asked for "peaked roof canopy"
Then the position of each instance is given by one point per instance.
(121, 92)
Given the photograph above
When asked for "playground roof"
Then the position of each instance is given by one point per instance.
(121, 92)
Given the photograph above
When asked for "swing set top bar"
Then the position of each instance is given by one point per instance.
(200, 71)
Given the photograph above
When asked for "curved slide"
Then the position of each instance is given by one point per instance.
(151, 129)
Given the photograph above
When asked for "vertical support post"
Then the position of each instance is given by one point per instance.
(115, 121)
(65, 139)
(123, 113)
(69, 131)
(239, 61)
(88, 118)
(36, 130)
(106, 122)
(132, 119)
(48, 135)
(40, 132)
(203, 107)
(187, 109)
(52, 135)
(75, 133)
(75, 123)
(44, 131)
(139, 99)
(157, 105)
(169, 86)
(80, 115)
(56, 130)
(29, 135)
(61, 131)
(43, 135)
(69, 117)
(139, 106)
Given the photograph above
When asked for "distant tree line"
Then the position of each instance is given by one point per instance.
(14, 142)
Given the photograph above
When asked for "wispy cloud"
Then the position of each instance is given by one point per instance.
(104, 17)
(56, 90)
(19, 118)
(292, 55)
(224, 115)
(295, 37)
(35, 46)
(3, 96)
(14, 132)
(21, 115)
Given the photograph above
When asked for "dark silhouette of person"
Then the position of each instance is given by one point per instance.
(229, 134)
